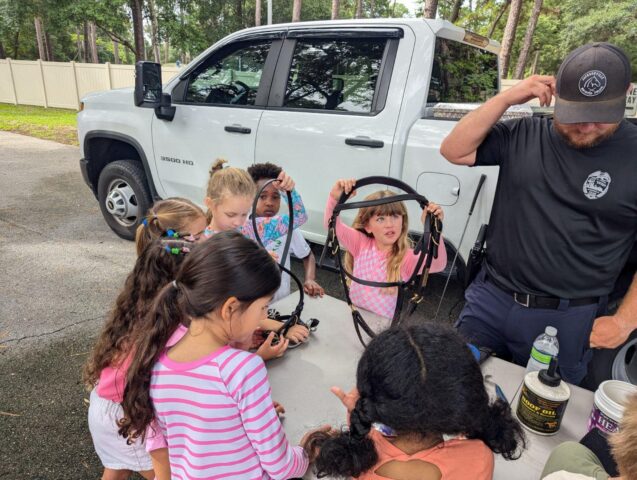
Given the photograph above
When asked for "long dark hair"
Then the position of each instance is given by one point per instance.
(226, 265)
(155, 266)
(419, 380)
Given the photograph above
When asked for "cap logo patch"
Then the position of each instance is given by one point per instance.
(592, 83)
(596, 185)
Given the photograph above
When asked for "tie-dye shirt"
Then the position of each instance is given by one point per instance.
(271, 228)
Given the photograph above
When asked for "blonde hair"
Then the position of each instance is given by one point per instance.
(624, 442)
(229, 181)
(398, 249)
(170, 214)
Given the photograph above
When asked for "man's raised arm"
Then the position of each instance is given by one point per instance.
(462, 143)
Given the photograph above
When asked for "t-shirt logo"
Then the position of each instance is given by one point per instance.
(596, 185)
(592, 83)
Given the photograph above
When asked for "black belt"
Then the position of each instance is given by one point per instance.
(538, 301)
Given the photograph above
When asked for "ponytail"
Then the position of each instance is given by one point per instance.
(501, 432)
(164, 318)
(349, 453)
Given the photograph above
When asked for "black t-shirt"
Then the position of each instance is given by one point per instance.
(564, 219)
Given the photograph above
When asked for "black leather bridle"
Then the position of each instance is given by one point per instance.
(426, 248)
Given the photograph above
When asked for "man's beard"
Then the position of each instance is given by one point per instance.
(590, 140)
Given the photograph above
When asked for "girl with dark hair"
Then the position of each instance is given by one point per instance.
(422, 387)
(105, 370)
(211, 402)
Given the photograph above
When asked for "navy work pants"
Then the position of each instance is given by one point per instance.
(491, 318)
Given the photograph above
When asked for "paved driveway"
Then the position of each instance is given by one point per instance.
(61, 268)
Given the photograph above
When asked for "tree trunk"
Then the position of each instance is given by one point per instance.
(116, 59)
(528, 39)
(92, 31)
(257, 13)
(431, 6)
(167, 50)
(335, 7)
(455, 11)
(154, 28)
(509, 36)
(39, 36)
(87, 47)
(494, 25)
(238, 11)
(78, 41)
(2, 52)
(138, 29)
(296, 11)
(372, 8)
(16, 44)
(534, 66)
(48, 45)
(359, 9)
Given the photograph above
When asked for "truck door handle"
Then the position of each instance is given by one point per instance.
(364, 142)
(237, 129)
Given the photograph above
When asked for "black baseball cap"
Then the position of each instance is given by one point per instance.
(591, 85)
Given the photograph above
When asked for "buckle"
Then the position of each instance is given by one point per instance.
(517, 298)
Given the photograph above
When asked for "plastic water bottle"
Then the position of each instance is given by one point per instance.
(544, 348)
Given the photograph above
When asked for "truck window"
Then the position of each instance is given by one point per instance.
(338, 75)
(230, 78)
(462, 73)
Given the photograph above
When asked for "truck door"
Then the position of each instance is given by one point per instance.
(218, 108)
(333, 109)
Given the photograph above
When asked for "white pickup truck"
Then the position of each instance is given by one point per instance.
(324, 100)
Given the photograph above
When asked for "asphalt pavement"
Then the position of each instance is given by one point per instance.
(62, 268)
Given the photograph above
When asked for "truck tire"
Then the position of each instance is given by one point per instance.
(124, 197)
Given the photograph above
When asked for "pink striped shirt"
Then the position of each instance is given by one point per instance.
(219, 421)
(371, 264)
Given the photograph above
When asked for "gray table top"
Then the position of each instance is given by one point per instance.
(302, 378)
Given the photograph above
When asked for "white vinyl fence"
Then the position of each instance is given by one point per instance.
(63, 84)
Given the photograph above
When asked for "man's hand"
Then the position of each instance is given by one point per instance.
(541, 87)
(313, 289)
(610, 331)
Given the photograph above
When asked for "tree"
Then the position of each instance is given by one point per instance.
(39, 37)
(257, 13)
(138, 29)
(528, 39)
(431, 6)
(296, 11)
(335, 7)
(455, 11)
(509, 36)
(359, 9)
(154, 29)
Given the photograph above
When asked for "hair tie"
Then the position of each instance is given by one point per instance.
(171, 233)
(175, 284)
(145, 222)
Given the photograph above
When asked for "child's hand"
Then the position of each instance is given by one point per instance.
(347, 399)
(343, 185)
(267, 351)
(278, 408)
(297, 334)
(313, 289)
(435, 210)
(284, 182)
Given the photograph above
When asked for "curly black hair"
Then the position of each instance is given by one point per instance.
(421, 380)
(260, 171)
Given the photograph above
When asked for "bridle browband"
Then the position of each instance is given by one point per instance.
(426, 248)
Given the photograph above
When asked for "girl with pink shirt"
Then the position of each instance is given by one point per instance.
(210, 401)
(419, 411)
(164, 236)
(378, 247)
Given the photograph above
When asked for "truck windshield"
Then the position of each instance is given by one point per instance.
(462, 73)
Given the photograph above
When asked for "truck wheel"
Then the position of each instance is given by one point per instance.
(123, 196)
(617, 364)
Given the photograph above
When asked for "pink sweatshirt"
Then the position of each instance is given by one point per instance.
(371, 264)
(217, 416)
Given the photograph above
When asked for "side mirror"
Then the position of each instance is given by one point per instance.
(148, 91)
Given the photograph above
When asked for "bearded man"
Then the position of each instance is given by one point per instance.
(564, 217)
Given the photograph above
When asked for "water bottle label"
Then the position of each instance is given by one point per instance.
(544, 358)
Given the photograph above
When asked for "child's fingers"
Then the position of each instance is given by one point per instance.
(339, 392)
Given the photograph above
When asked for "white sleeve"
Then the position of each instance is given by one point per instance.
(298, 246)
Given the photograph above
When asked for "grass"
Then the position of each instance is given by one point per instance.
(57, 124)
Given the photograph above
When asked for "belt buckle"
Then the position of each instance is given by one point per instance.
(517, 296)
